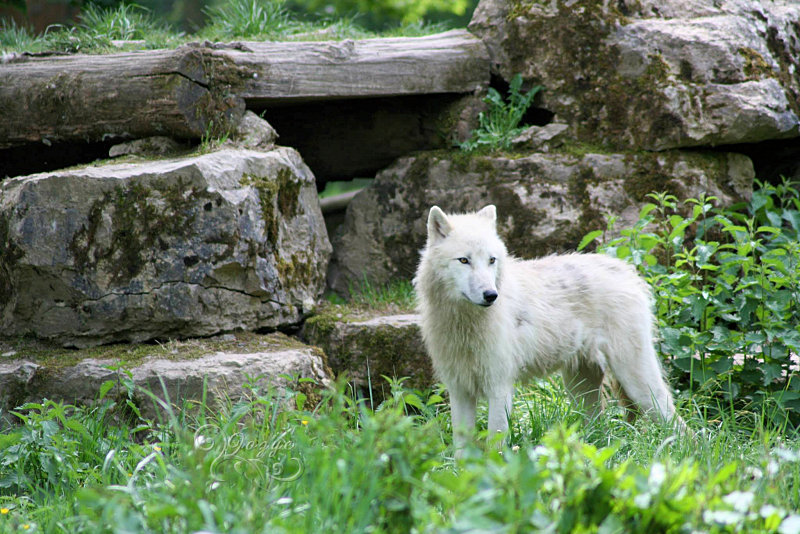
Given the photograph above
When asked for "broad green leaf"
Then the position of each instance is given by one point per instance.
(588, 238)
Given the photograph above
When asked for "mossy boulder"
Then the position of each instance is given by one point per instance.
(654, 75)
(211, 370)
(231, 240)
(545, 202)
(367, 347)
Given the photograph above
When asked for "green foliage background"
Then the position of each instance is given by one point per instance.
(372, 15)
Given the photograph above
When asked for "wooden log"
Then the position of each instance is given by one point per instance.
(180, 92)
(292, 72)
(135, 94)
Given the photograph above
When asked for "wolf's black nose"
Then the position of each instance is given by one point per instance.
(490, 295)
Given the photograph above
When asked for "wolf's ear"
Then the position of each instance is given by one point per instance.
(438, 225)
(490, 212)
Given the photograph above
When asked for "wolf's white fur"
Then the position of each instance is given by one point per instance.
(581, 314)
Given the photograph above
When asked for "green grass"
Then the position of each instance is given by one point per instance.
(396, 296)
(398, 293)
(237, 19)
(13, 37)
(248, 19)
(256, 466)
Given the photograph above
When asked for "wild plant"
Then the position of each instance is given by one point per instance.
(726, 283)
(499, 124)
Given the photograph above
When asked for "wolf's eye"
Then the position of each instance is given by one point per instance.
(464, 260)
(492, 260)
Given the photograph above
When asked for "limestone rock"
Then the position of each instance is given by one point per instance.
(253, 131)
(654, 75)
(148, 146)
(369, 348)
(541, 138)
(261, 361)
(174, 248)
(545, 202)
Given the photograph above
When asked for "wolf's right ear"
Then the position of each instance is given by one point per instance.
(438, 224)
(490, 212)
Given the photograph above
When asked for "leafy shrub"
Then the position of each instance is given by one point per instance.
(565, 485)
(726, 283)
(499, 124)
(58, 447)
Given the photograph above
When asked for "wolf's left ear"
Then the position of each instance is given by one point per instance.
(438, 224)
(490, 212)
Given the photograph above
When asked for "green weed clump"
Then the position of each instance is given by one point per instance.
(499, 124)
(726, 282)
(248, 19)
(125, 22)
(14, 37)
(97, 28)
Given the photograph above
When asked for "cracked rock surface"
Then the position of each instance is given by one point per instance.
(172, 248)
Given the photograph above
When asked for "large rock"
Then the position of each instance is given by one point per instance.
(654, 75)
(367, 348)
(545, 202)
(185, 247)
(213, 370)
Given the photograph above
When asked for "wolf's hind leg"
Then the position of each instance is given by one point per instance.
(583, 384)
(640, 377)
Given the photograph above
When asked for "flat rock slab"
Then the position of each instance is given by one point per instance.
(545, 202)
(171, 248)
(368, 348)
(217, 370)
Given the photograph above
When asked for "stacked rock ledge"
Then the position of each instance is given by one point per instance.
(175, 248)
(216, 370)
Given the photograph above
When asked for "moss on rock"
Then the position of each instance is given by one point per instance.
(366, 346)
(54, 357)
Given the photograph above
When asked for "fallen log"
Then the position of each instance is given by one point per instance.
(288, 73)
(178, 93)
(181, 93)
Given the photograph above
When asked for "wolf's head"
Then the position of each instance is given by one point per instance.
(467, 255)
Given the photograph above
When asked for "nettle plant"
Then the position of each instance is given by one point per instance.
(726, 283)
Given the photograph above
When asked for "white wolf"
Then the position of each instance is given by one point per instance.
(489, 319)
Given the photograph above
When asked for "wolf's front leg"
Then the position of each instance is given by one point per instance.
(499, 412)
(462, 414)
